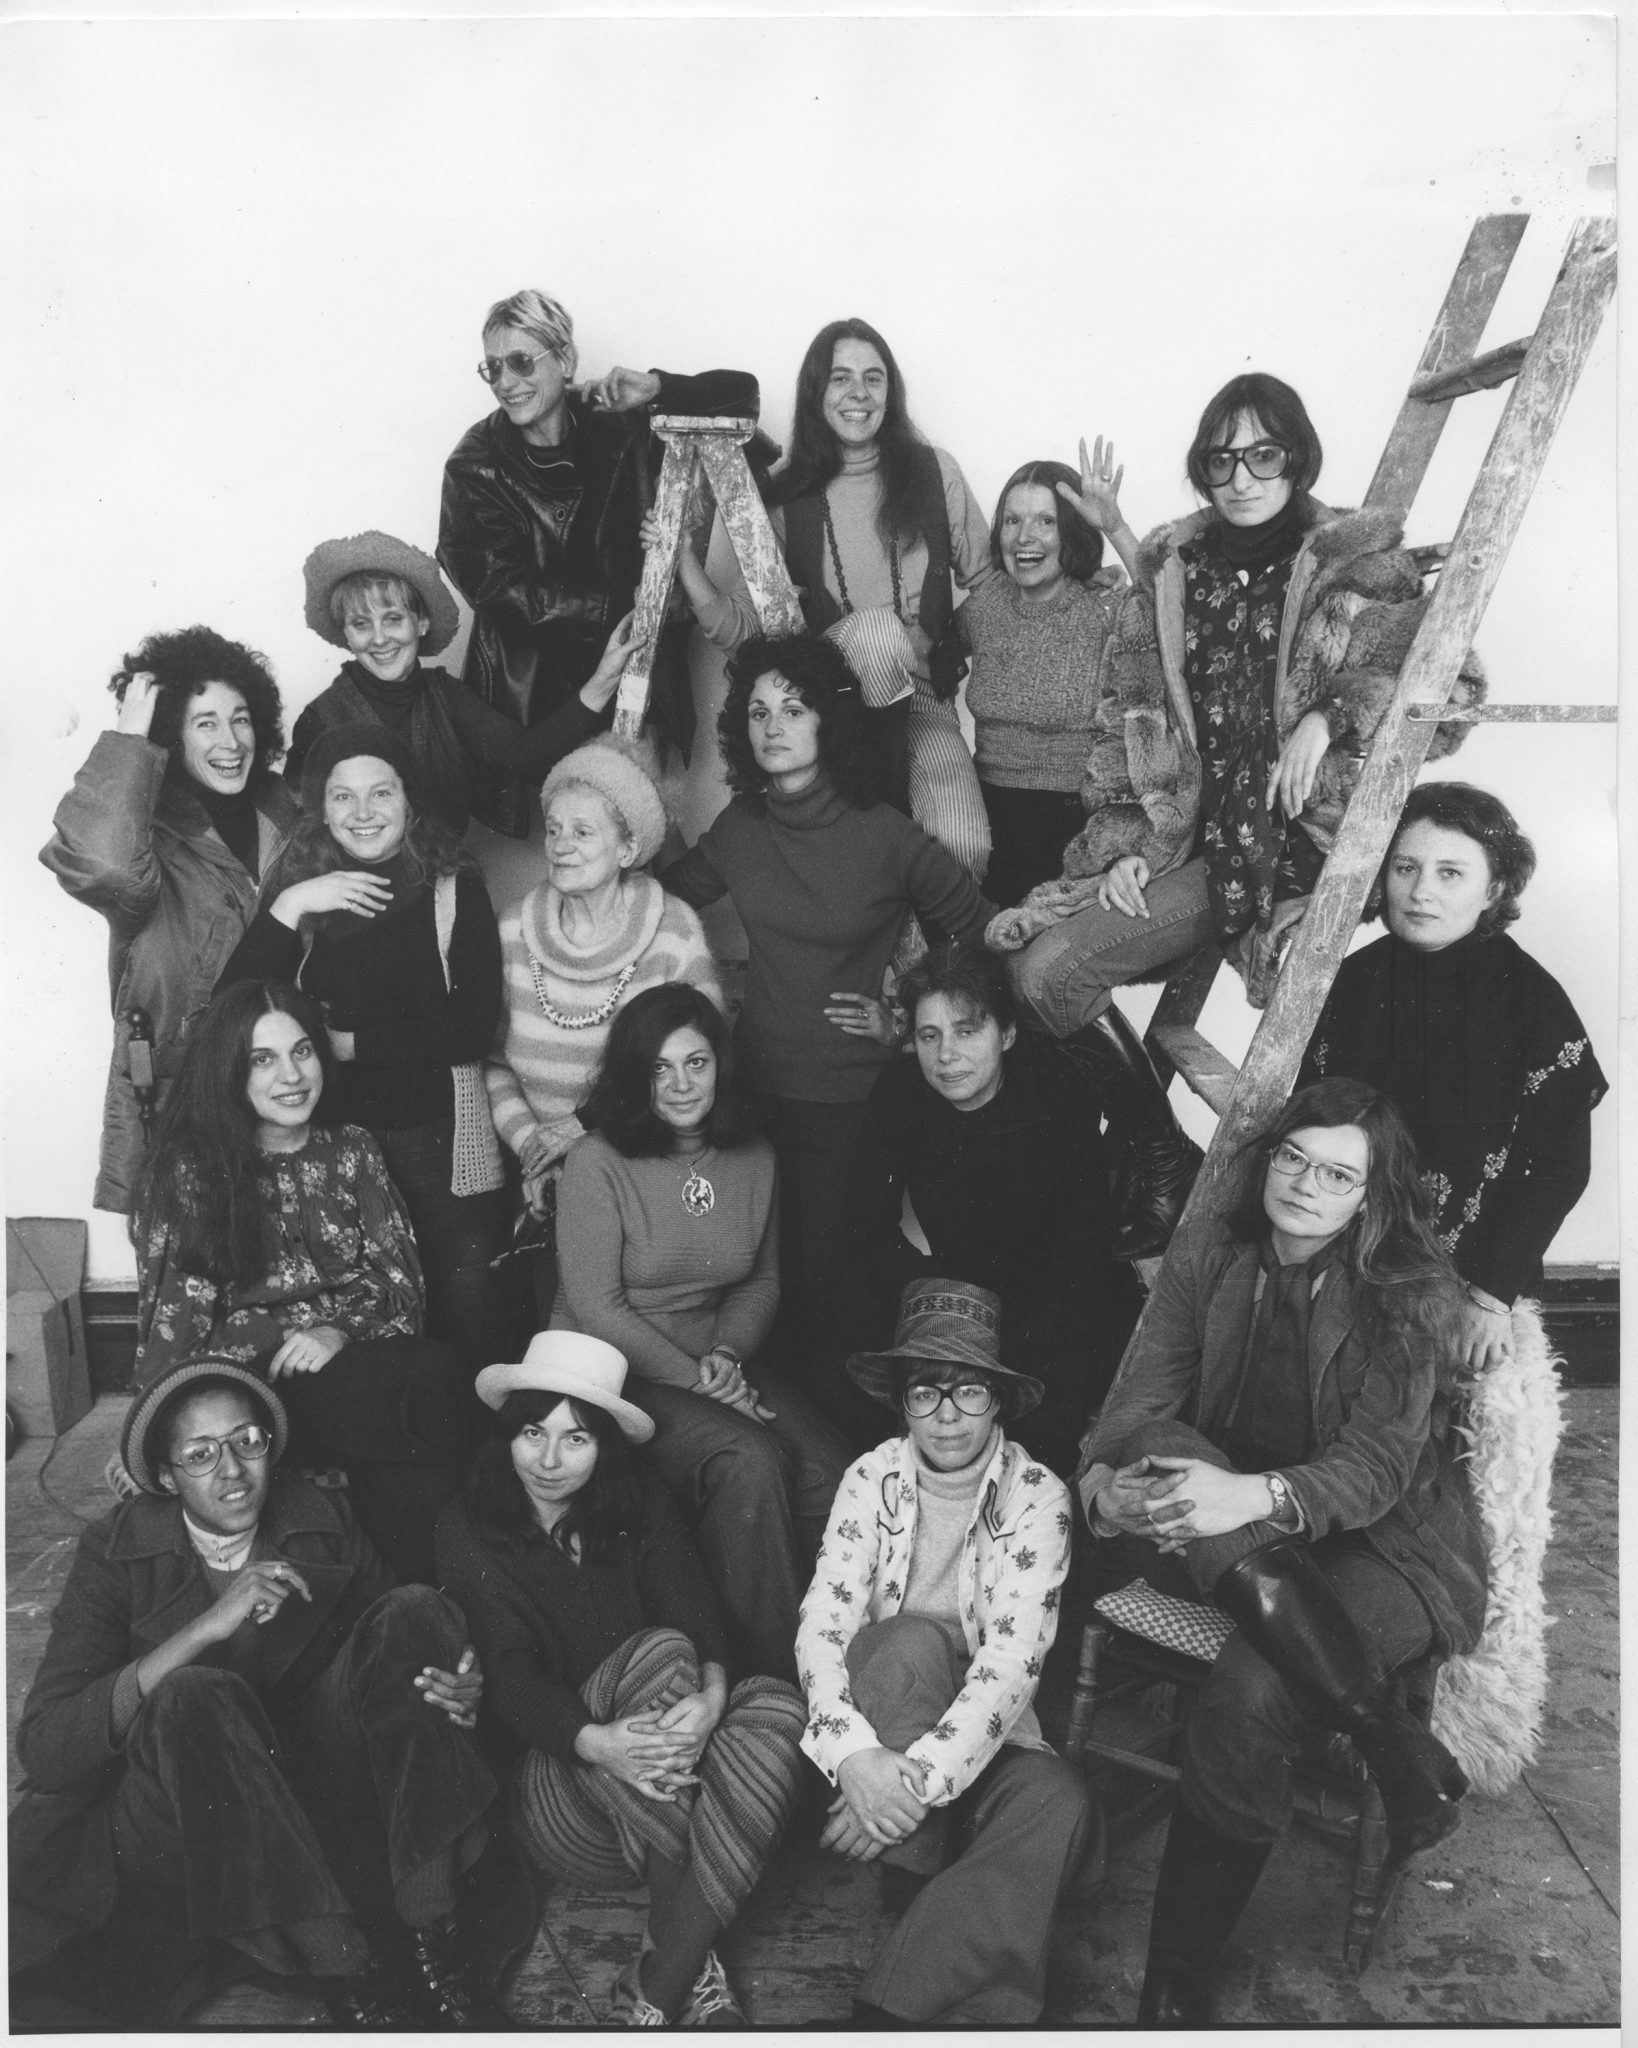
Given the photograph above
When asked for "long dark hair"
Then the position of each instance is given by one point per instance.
(621, 1102)
(187, 662)
(1283, 417)
(817, 670)
(606, 1512)
(816, 454)
(1406, 1292)
(1080, 546)
(200, 1184)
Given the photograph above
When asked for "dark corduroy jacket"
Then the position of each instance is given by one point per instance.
(1388, 1462)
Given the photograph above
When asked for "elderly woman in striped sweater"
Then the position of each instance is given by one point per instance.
(582, 943)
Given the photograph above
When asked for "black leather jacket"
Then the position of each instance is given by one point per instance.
(548, 568)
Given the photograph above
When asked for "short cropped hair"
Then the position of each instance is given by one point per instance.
(966, 975)
(542, 318)
(1486, 820)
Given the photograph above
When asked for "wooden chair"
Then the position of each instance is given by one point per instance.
(1149, 1651)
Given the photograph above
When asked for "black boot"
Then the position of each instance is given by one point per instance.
(1205, 1880)
(1159, 1162)
(1292, 1616)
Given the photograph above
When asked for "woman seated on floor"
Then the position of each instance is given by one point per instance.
(607, 1680)
(997, 1141)
(244, 1743)
(1478, 1046)
(1316, 1496)
(269, 1237)
(668, 1248)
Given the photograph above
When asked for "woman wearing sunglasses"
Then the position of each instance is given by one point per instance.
(538, 532)
(1316, 1496)
(1248, 670)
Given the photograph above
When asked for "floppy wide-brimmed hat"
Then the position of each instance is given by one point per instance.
(140, 1458)
(944, 1322)
(378, 554)
(565, 1362)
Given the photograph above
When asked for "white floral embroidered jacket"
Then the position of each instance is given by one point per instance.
(1013, 1562)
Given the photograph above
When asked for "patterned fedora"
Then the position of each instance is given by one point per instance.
(944, 1322)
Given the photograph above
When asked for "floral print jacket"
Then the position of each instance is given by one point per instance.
(339, 1252)
(1013, 1562)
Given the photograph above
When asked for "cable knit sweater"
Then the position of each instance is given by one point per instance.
(1033, 688)
(543, 1067)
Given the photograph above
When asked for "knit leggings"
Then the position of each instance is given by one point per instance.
(945, 799)
(582, 1822)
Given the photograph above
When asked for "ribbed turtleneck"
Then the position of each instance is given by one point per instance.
(393, 703)
(811, 809)
(238, 823)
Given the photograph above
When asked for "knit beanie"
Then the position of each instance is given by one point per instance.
(628, 789)
(343, 743)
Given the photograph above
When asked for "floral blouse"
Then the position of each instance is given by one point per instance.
(1231, 642)
(339, 1252)
(1013, 1562)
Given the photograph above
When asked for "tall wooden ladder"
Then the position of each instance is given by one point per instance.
(697, 447)
(1543, 370)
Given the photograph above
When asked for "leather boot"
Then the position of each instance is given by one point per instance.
(1158, 1162)
(1205, 1880)
(1292, 1616)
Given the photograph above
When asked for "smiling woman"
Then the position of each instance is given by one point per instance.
(373, 908)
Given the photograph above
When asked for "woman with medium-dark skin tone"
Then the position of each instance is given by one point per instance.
(1316, 1496)
(1478, 1045)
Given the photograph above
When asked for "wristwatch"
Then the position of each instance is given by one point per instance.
(1280, 1494)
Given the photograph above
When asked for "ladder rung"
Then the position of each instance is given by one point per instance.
(1199, 1063)
(1516, 714)
(1480, 373)
(702, 423)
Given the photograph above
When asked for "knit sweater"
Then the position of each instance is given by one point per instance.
(544, 1066)
(1033, 686)
(945, 1502)
(854, 495)
(660, 1284)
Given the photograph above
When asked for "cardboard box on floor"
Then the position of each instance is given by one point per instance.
(48, 1382)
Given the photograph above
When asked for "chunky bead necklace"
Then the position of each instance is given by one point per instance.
(836, 564)
(582, 1020)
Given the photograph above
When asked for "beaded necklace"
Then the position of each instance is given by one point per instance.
(836, 563)
(582, 1020)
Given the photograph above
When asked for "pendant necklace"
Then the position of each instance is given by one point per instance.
(699, 1198)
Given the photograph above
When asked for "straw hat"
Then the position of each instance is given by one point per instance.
(944, 1322)
(378, 554)
(565, 1362)
(141, 1460)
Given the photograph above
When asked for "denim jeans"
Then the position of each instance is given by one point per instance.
(1065, 975)
(456, 1236)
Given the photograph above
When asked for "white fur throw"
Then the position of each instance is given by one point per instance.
(1489, 1704)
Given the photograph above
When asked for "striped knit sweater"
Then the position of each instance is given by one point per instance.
(543, 1069)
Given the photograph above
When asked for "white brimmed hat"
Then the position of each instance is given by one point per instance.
(565, 1362)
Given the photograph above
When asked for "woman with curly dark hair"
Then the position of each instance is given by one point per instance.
(667, 1248)
(166, 831)
(878, 527)
(374, 910)
(823, 879)
(1316, 1496)
(1476, 1043)
(267, 1232)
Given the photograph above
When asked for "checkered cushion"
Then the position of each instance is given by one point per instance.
(1181, 1625)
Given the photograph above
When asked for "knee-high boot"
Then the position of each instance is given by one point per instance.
(1292, 1616)
(1159, 1162)
(1205, 1880)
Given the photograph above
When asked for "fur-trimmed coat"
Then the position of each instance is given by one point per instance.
(1352, 608)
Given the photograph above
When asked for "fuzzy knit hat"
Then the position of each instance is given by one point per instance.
(629, 789)
(378, 554)
(143, 1458)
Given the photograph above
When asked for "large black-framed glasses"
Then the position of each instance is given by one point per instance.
(972, 1397)
(1264, 460)
(202, 1454)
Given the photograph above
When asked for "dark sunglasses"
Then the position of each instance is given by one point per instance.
(1264, 460)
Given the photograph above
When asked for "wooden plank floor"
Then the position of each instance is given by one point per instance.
(1512, 1921)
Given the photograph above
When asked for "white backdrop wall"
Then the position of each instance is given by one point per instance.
(248, 263)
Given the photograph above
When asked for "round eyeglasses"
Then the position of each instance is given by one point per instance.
(1290, 1162)
(202, 1454)
(518, 360)
(972, 1397)
(1264, 460)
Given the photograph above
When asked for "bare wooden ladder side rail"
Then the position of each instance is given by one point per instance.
(716, 448)
(1457, 330)
(1489, 523)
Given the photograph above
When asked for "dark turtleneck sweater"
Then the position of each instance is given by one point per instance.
(822, 888)
(236, 819)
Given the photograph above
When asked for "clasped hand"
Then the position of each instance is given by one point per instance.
(722, 1380)
(654, 1752)
(882, 1801)
(1173, 1501)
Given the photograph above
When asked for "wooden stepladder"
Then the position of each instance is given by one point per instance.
(714, 449)
(1543, 371)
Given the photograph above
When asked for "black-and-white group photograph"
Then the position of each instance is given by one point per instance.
(813, 1009)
